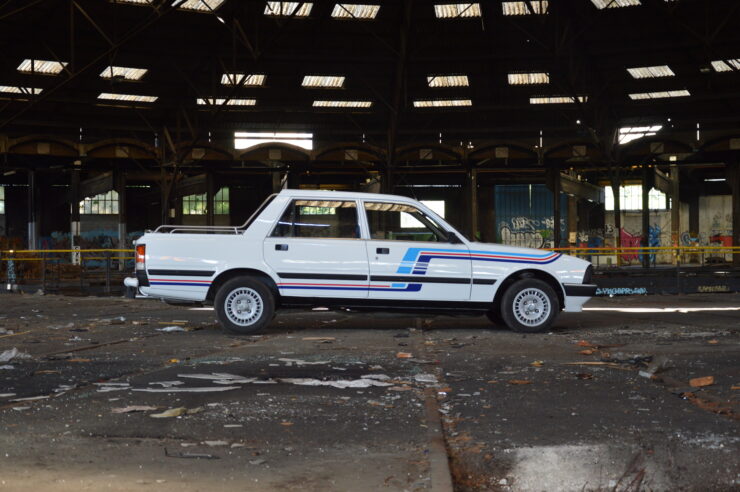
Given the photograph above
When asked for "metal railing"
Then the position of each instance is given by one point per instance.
(668, 255)
(55, 269)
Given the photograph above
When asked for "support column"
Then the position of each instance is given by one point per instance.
(487, 214)
(472, 199)
(210, 198)
(675, 208)
(572, 221)
(645, 240)
(122, 216)
(556, 213)
(75, 230)
(33, 226)
(733, 178)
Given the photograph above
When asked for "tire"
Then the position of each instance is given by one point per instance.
(495, 316)
(244, 305)
(529, 305)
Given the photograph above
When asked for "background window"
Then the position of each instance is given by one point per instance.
(221, 202)
(320, 219)
(630, 198)
(398, 222)
(194, 204)
(103, 204)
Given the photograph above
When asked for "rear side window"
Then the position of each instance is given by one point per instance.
(401, 222)
(327, 219)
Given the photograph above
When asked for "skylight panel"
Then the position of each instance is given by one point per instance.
(10, 89)
(523, 8)
(612, 4)
(342, 104)
(630, 133)
(442, 103)
(651, 72)
(246, 140)
(126, 73)
(43, 67)
(355, 11)
(659, 95)
(230, 102)
(127, 97)
(134, 2)
(557, 99)
(457, 10)
(323, 81)
(726, 65)
(448, 81)
(288, 9)
(529, 78)
(247, 80)
(200, 5)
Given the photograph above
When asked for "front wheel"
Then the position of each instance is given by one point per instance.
(529, 305)
(244, 305)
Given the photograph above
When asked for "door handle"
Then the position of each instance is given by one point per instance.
(382, 251)
(281, 247)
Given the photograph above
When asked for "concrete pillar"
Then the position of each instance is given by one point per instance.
(33, 225)
(675, 208)
(210, 198)
(572, 221)
(75, 229)
(645, 241)
(122, 217)
(487, 214)
(556, 212)
(733, 178)
(472, 203)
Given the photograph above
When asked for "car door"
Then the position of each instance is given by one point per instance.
(410, 257)
(316, 250)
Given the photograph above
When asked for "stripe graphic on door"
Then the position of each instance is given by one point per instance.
(416, 260)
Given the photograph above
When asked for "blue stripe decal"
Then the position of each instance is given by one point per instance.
(415, 263)
(186, 284)
(408, 288)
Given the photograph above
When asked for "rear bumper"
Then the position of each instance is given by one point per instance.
(131, 282)
(579, 290)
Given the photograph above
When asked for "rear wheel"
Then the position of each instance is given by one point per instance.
(244, 305)
(529, 305)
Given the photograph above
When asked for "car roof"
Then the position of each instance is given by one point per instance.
(343, 195)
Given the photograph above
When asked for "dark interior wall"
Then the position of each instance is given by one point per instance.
(245, 198)
(16, 212)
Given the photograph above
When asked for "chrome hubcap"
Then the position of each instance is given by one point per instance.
(531, 307)
(243, 306)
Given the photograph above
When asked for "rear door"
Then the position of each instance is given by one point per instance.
(317, 251)
(410, 258)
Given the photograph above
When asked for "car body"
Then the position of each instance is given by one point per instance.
(354, 250)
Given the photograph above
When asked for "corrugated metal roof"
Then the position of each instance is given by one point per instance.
(611, 4)
(442, 103)
(523, 8)
(229, 102)
(659, 94)
(342, 104)
(457, 10)
(43, 67)
(728, 65)
(11, 89)
(529, 78)
(651, 72)
(323, 81)
(288, 9)
(448, 81)
(111, 96)
(126, 73)
(200, 5)
(557, 99)
(249, 80)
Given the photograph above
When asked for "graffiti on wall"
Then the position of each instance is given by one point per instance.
(527, 232)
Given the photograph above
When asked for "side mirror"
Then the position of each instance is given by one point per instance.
(453, 238)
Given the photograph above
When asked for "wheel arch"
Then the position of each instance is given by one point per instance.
(529, 273)
(227, 275)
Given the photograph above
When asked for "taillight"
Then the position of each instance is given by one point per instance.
(140, 256)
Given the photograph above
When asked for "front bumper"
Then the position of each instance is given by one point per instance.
(580, 290)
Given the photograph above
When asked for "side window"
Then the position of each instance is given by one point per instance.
(319, 219)
(399, 222)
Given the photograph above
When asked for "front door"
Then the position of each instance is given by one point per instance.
(316, 250)
(410, 257)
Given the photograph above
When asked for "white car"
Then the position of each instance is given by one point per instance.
(308, 248)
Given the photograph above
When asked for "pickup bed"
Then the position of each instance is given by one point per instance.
(308, 248)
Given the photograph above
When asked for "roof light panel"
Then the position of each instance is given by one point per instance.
(613, 4)
(111, 96)
(134, 2)
(247, 80)
(659, 95)
(448, 81)
(457, 10)
(342, 104)
(323, 81)
(228, 102)
(200, 5)
(729, 65)
(126, 73)
(11, 89)
(355, 11)
(442, 103)
(42, 67)
(529, 78)
(288, 9)
(651, 72)
(557, 99)
(539, 7)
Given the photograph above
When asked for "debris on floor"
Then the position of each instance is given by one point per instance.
(134, 408)
(13, 353)
(700, 382)
(172, 412)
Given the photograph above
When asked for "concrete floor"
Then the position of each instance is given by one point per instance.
(565, 410)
